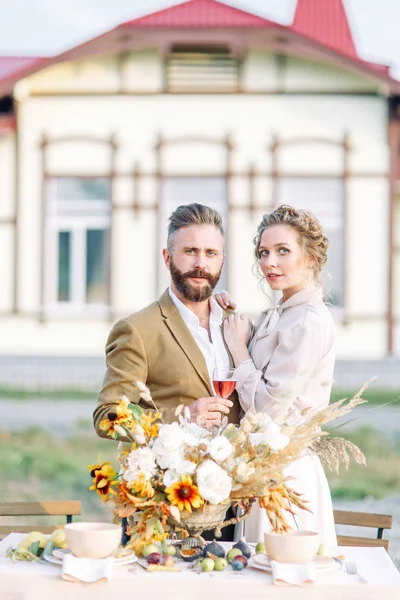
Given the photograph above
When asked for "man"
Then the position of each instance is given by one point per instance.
(174, 344)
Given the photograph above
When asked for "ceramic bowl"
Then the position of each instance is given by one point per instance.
(93, 540)
(292, 547)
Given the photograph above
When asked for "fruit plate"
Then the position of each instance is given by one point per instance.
(320, 563)
(56, 558)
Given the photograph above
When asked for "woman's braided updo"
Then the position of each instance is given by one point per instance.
(311, 236)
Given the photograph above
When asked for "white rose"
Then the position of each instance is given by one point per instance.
(220, 448)
(213, 482)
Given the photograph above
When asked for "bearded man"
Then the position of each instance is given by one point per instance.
(174, 344)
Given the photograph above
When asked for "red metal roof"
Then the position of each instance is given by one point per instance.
(200, 13)
(12, 64)
(325, 21)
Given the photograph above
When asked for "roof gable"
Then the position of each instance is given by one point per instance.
(325, 21)
(200, 13)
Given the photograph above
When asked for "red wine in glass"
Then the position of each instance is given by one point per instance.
(224, 382)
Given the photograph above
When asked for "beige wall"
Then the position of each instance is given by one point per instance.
(252, 120)
(7, 200)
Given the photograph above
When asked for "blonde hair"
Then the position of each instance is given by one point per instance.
(310, 234)
(192, 214)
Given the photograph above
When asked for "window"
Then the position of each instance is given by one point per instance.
(202, 69)
(325, 199)
(77, 243)
(211, 191)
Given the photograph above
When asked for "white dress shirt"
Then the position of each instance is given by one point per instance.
(214, 352)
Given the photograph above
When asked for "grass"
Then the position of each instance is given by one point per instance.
(381, 477)
(373, 395)
(35, 465)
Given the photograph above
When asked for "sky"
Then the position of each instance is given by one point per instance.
(43, 27)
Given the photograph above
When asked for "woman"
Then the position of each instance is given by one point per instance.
(288, 364)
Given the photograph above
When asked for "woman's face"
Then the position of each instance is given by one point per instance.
(282, 260)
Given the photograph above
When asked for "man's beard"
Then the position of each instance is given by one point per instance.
(193, 293)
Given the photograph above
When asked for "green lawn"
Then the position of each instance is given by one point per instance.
(36, 465)
(373, 395)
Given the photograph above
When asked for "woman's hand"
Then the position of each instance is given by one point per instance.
(224, 300)
(237, 336)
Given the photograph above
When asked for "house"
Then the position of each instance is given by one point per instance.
(199, 102)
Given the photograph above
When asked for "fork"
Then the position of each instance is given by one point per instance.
(351, 569)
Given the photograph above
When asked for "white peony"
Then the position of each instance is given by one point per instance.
(139, 462)
(220, 448)
(213, 482)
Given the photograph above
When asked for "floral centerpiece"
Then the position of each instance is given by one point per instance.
(180, 477)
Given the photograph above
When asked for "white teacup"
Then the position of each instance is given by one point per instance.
(93, 540)
(292, 547)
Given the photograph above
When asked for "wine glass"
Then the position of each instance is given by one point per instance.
(224, 381)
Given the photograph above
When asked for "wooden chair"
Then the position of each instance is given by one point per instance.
(362, 519)
(27, 509)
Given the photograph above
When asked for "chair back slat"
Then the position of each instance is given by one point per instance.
(362, 519)
(25, 509)
(348, 540)
(7, 529)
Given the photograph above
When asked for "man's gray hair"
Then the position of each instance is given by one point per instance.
(192, 214)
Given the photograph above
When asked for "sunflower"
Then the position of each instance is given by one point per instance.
(184, 494)
(150, 428)
(143, 487)
(121, 415)
(104, 477)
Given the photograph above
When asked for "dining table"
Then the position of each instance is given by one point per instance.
(377, 579)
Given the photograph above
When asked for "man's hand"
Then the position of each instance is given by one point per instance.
(209, 411)
(224, 300)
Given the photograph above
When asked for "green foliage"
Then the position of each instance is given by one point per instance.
(381, 477)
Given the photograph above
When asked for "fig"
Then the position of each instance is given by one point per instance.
(244, 548)
(154, 558)
(189, 554)
(215, 549)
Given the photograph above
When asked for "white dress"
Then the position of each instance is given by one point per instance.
(292, 365)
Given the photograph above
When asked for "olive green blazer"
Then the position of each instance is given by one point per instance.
(156, 347)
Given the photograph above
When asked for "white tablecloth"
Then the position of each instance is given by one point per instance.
(41, 581)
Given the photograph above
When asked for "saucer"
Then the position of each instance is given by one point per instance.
(56, 558)
(320, 563)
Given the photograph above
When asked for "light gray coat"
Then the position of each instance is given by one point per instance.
(293, 357)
